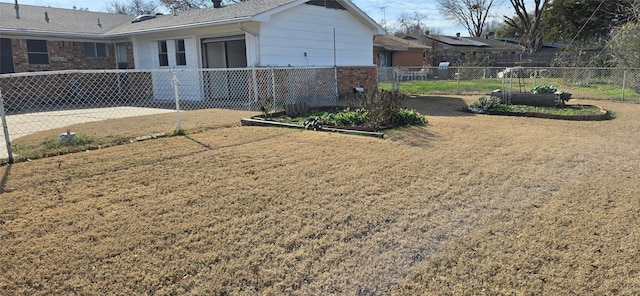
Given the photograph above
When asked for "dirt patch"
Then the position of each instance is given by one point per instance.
(466, 205)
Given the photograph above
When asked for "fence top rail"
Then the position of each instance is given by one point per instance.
(524, 67)
(61, 72)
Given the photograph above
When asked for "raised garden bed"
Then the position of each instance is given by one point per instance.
(543, 100)
(539, 99)
(259, 120)
(602, 114)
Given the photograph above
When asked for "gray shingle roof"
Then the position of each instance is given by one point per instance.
(61, 21)
(80, 23)
(230, 13)
(458, 41)
(390, 42)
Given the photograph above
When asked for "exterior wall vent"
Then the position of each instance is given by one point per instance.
(142, 18)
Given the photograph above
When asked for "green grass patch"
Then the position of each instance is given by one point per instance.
(416, 88)
(593, 91)
(51, 147)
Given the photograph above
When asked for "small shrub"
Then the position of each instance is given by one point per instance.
(565, 96)
(487, 103)
(410, 117)
(383, 107)
(265, 105)
(179, 132)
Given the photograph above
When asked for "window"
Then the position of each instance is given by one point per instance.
(225, 52)
(163, 55)
(95, 50)
(37, 52)
(6, 56)
(181, 55)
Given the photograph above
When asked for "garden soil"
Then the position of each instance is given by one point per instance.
(468, 204)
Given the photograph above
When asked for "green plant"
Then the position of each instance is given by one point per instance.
(487, 103)
(265, 105)
(565, 96)
(348, 117)
(410, 117)
(544, 89)
(550, 89)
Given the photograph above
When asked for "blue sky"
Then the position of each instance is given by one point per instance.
(379, 10)
(390, 10)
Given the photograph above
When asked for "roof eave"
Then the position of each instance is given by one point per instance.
(180, 27)
(34, 33)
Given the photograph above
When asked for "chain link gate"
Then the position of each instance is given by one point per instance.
(34, 102)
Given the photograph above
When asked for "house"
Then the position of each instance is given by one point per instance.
(469, 51)
(393, 51)
(256, 33)
(35, 38)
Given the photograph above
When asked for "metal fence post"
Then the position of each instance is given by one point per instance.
(7, 140)
(273, 89)
(175, 93)
(335, 78)
(458, 74)
(624, 82)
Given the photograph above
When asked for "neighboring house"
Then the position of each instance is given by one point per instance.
(35, 38)
(254, 33)
(393, 51)
(469, 51)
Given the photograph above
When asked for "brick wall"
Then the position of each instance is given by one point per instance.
(412, 59)
(350, 77)
(408, 59)
(66, 55)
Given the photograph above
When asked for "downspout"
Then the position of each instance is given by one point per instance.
(254, 34)
(256, 92)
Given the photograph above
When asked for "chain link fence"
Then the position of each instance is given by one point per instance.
(585, 83)
(50, 101)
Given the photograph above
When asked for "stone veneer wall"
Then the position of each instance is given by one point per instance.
(66, 55)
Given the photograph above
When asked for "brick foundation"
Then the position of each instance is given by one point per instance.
(351, 77)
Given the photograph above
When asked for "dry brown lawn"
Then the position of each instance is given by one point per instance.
(469, 204)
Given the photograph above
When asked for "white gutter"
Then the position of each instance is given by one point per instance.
(257, 37)
(178, 27)
(96, 36)
(23, 32)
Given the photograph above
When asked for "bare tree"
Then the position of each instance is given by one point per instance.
(133, 7)
(472, 14)
(527, 25)
(182, 5)
(410, 24)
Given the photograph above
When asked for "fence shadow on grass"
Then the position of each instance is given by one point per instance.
(438, 106)
(5, 177)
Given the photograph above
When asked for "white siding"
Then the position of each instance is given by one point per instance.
(146, 51)
(309, 29)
